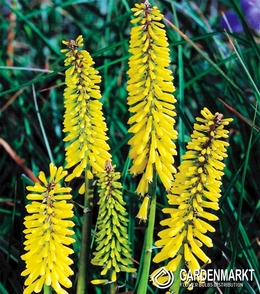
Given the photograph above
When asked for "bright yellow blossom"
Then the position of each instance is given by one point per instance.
(150, 98)
(83, 119)
(48, 234)
(113, 251)
(195, 189)
(143, 211)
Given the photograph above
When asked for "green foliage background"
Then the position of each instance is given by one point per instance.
(39, 28)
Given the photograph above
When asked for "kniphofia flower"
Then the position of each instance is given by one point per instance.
(83, 119)
(195, 190)
(113, 251)
(150, 98)
(48, 234)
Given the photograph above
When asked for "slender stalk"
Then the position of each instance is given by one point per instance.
(148, 243)
(47, 289)
(112, 287)
(86, 237)
(46, 141)
(26, 68)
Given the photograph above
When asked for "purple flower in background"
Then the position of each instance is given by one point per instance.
(231, 20)
(251, 9)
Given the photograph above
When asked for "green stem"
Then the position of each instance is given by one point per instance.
(86, 237)
(47, 289)
(148, 243)
(45, 138)
(113, 288)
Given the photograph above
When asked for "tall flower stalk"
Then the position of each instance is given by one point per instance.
(150, 98)
(195, 190)
(83, 119)
(86, 150)
(113, 251)
(151, 102)
(48, 234)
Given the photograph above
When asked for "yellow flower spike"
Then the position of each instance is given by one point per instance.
(195, 189)
(113, 248)
(83, 119)
(47, 234)
(150, 97)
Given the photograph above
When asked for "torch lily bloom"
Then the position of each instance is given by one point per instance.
(113, 248)
(48, 234)
(83, 120)
(150, 98)
(195, 190)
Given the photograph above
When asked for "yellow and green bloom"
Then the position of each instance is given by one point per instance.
(113, 251)
(195, 190)
(48, 234)
(150, 98)
(83, 120)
